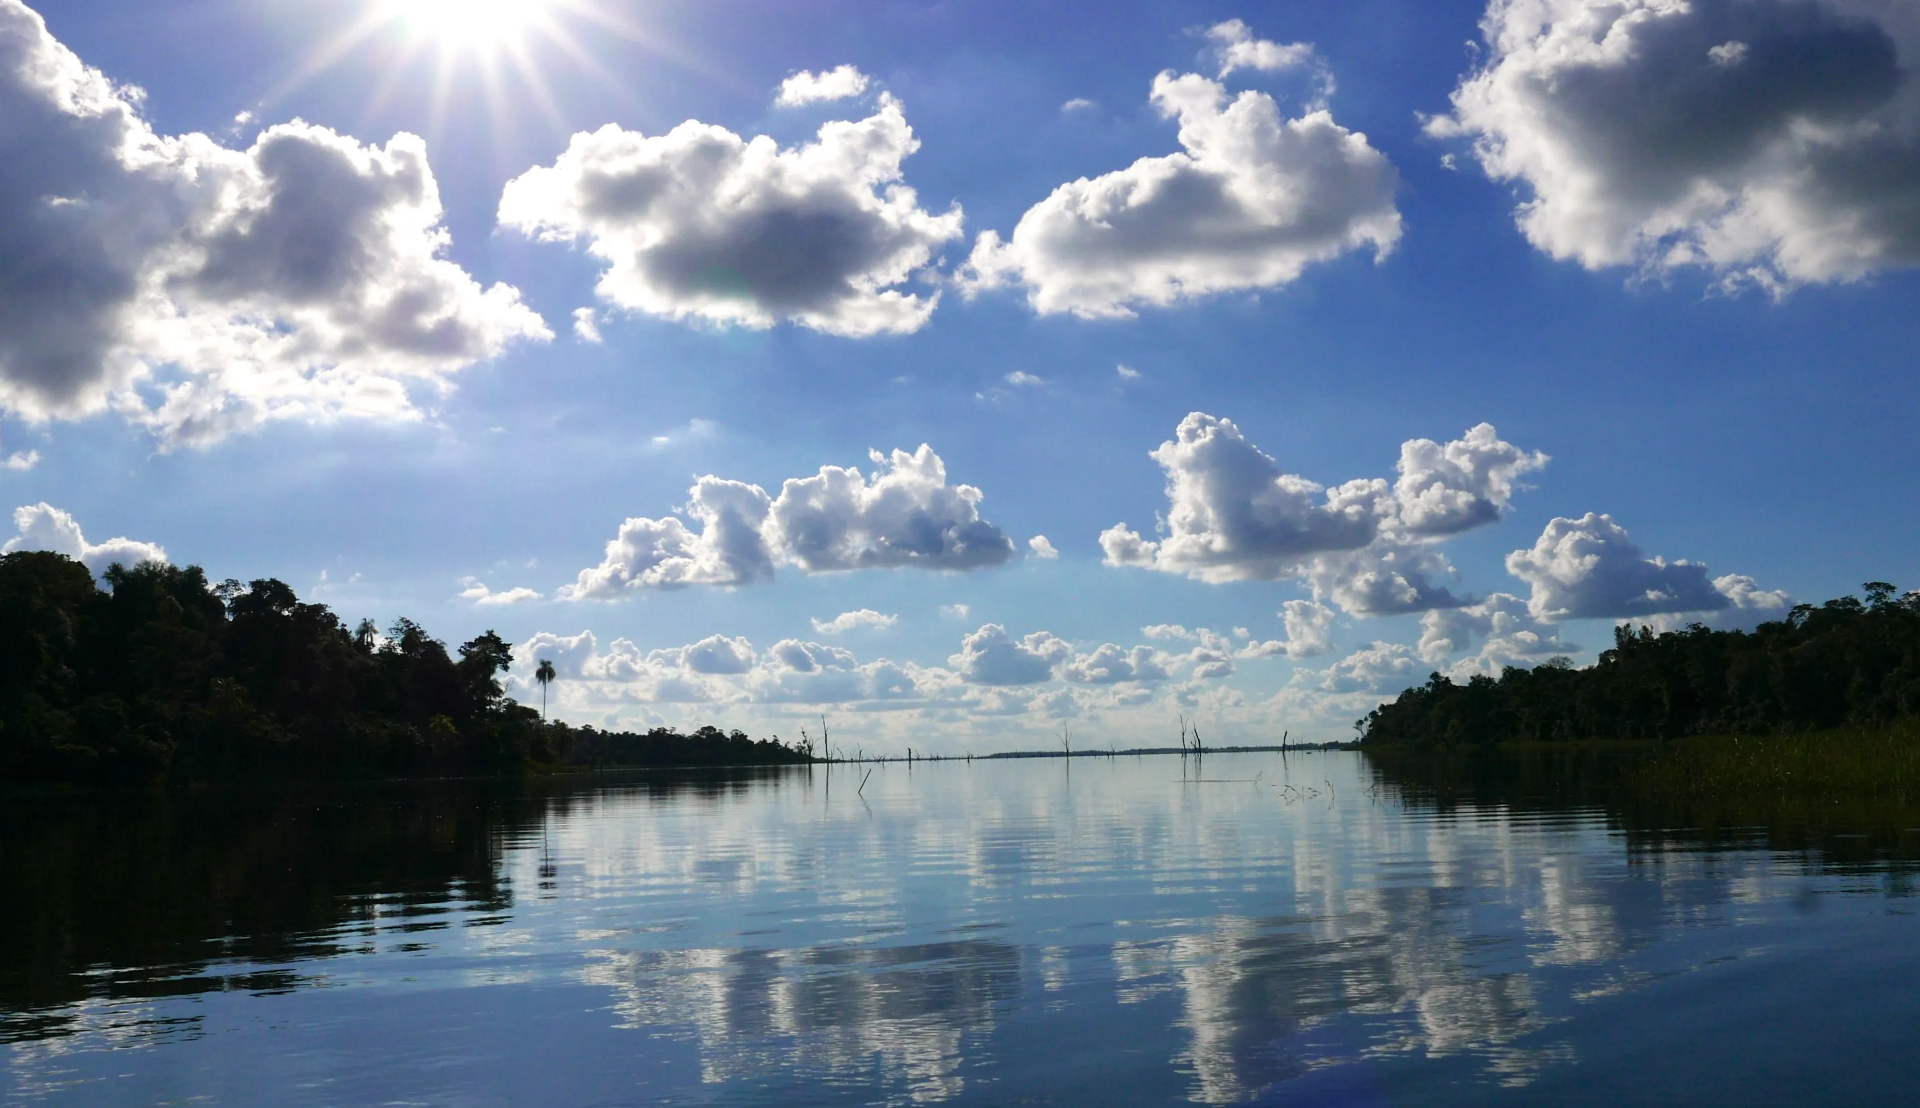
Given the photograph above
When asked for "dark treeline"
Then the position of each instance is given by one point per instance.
(1846, 662)
(157, 673)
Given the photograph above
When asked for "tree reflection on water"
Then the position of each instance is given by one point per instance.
(1120, 936)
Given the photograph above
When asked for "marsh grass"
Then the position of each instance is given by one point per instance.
(1859, 778)
(1849, 795)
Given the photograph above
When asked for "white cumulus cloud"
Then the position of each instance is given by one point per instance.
(1237, 48)
(719, 671)
(727, 547)
(1748, 606)
(21, 461)
(990, 656)
(1380, 667)
(1109, 664)
(1386, 577)
(45, 527)
(1588, 568)
(201, 290)
(842, 82)
(701, 223)
(695, 674)
(905, 515)
(1502, 629)
(1444, 489)
(850, 621)
(1309, 627)
(1251, 200)
(1042, 548)
(1772, 141)
(1234, 515)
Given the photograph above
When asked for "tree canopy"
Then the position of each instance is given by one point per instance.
(1848, 661)
(155, 672)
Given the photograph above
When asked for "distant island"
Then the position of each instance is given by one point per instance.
(1848, 663)
(164, 675)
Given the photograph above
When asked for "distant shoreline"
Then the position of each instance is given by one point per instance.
(1290, 748)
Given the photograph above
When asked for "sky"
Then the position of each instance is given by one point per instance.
(972, 375)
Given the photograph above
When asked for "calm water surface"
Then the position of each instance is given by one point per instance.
(1133, 931)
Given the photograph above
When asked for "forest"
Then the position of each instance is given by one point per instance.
(1850, 662)
(155, 673)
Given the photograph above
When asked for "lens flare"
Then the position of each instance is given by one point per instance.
(471, 23)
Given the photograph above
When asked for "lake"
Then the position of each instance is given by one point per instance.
(1316, 930)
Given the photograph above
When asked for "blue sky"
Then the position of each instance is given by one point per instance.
(1680, 264)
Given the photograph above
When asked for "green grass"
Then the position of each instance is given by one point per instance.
(1850, 764)
(1851, 795)
(1862, 778)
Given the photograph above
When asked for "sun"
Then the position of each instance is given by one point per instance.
(481, 24)
(508, 45)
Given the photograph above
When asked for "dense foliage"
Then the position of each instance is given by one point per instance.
(1846, 662)
(161, 673)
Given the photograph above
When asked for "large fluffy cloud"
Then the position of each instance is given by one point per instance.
(907, 515)
(1386, 577)
(45, 527)
(1234, 515)
(1446, 488)
(701, 223)
(1588, 568)
(727, 548)
(202, 289)
(1250, 201)
(836, 520)
(1770, 140)
(990, 656)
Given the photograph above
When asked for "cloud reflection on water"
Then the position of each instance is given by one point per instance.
(1129, 929)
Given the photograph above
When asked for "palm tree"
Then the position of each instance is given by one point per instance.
(544, 673)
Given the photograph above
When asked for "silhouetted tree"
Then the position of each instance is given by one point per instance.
(545, 675)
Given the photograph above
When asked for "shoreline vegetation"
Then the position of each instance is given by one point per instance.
(1846, 666)
(156, 674)
(1805, 731)
(1804, 776)
(1849, 795)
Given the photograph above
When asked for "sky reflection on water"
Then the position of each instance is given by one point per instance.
(967, 934)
